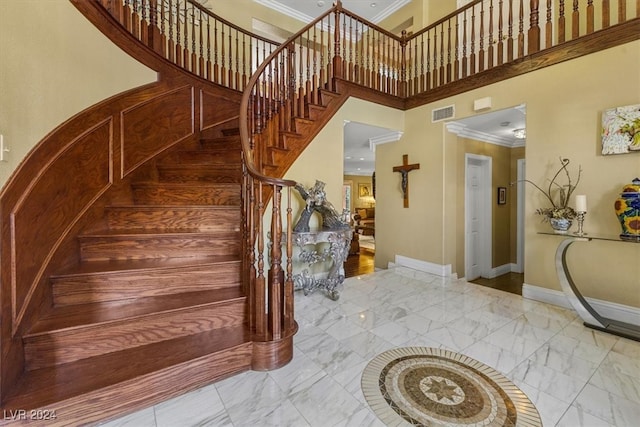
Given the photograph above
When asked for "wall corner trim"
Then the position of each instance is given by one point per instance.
(612, 310)
(424, 266)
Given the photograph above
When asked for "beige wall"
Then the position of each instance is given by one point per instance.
(323, 157)
(563, 119)
(55, 63)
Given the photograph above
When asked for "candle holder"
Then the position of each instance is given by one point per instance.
(580, 217)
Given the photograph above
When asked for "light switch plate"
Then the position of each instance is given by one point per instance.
(3, 150)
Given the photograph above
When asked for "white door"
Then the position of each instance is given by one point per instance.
(520, 217)
(478, 216)
(473, 232)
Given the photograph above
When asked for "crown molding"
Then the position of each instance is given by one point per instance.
(383, 139)
(285, 10)
(288, 11)
(390, 10)
(461, 129)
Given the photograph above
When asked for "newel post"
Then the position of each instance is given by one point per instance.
(534, 28)
(403, 66)
(276, 274)
(337, 58)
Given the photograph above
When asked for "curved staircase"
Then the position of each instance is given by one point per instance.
(156, 299)
(152, 276)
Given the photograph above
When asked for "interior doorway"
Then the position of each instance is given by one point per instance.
(478, 218)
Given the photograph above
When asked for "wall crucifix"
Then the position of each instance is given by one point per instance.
(404, 171)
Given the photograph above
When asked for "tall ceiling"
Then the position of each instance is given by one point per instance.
(307, 10)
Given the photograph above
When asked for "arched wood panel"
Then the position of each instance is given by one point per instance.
(53, 202)
(150, 127)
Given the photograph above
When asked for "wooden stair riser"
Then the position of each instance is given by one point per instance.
(68, 345)
(316, 111)
(201, 173)
(173, 217)
(141, 246)
(212, 156)
(92, 288)
(225, 142)
(200, 194)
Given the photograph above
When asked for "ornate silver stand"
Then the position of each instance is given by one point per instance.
(337, 252)
(590, 316)
(580, 217)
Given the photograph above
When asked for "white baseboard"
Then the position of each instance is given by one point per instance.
(503, 269)
(427, 267)
(612, 310)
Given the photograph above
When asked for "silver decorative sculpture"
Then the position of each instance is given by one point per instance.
(316, 201)
(335, 232)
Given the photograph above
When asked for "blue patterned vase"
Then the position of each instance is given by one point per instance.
(627, 208)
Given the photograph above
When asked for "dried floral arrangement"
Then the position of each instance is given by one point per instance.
(559, 194)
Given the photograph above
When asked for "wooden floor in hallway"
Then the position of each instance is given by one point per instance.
(510, 282)
(360, 263)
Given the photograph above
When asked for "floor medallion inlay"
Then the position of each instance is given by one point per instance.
(434, 387)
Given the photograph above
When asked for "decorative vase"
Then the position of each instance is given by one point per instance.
(627, 208)
(560, 225)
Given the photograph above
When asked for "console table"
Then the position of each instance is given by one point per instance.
(588, 314)
(338, 242)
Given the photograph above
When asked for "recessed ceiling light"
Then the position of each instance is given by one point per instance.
(348, 157)
(320, 3)
(373, 5)
(361, 158)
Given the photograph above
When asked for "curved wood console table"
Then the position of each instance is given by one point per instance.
(589, 315)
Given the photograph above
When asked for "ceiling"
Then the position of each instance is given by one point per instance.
(495, 127)
(307, 10)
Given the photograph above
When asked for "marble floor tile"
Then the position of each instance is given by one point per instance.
(607, 406)
(575, 376)
(575, 417)
(199, 407)
(143, 418)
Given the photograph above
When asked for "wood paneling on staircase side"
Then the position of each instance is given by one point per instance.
(141, 138)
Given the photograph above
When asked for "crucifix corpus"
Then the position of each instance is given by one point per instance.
(404, 171)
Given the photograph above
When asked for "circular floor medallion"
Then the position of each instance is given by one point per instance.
(425, 386)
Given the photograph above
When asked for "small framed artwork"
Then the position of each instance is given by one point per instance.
(620, 130)
(364, 190)
(502, 195)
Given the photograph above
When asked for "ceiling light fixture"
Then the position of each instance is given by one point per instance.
(320, 3)
(520, 133)
(373, 5)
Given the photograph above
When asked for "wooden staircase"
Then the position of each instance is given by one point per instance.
(155, 306)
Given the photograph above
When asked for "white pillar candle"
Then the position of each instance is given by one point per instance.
(581, 203)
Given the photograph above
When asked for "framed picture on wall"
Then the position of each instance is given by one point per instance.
(502, 195)
(364, 190)
(621, 130)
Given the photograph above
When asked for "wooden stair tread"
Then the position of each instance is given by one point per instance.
(179, 185)
(46, 386)
(175, 207)
(164, 232)
(126, 266)
(69, 317)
